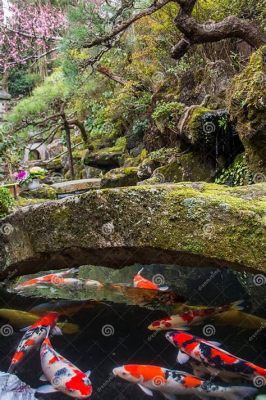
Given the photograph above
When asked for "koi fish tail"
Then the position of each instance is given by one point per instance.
(240, 392)
(237, 305)
(140, 271)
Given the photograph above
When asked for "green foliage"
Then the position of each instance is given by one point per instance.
(43, 99)
(6, 201)
(168, 111)
(20, 82)
(237, 174)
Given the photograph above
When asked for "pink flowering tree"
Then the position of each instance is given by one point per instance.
(28, 32)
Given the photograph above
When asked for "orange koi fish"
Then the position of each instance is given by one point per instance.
(33, 337)
(62, 374)
(143, 283)
(54, 278)
(215, 360)
(171, 383)
(184, 320)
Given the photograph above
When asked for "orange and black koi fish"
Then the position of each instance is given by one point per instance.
(184, 320)
(33, 337)
(143, 283)
(171, 383)
(216, 360)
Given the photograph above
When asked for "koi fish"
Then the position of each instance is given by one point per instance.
(62, 374)
(171, 383)
(216, 361)
(19, 319)
(12, 388)
(33, 337)
(64, 307)
(50, 278)
(143, 283)
(93, 284)
(183, 320)
(71, 283)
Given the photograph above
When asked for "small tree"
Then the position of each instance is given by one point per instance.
(47, 109)
(28, 32)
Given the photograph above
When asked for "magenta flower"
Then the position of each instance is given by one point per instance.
(21, 175)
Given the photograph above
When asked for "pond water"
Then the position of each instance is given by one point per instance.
(112, 323)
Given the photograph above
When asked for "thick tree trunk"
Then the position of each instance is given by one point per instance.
(195, 33)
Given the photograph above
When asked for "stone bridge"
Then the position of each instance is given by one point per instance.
(190, 224)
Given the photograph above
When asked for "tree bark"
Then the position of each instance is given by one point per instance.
(195, 33)
(81, 128)
(68, 141)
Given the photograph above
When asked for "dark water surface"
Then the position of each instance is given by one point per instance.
(115, 333)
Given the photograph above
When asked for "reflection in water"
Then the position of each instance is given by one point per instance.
(113, 321)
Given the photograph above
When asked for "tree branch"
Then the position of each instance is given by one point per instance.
(156, 5)
(107, 72)
(195, 33)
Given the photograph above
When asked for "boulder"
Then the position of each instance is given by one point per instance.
(189, 224)
(78, 185)
(106, 158)
(43, 192)
(247, 106)
(120, 177)
(188, 167)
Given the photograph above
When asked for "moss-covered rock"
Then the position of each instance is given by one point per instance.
(105, 158)
(212, 134)
(196, 224)
(247, 106)
(43, 192)
(188, 167)
(119, 177)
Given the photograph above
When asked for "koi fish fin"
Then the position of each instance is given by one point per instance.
(212, 343)
(56, 331)
(88, 373)
(45, 389)
(140, 271)
(25, 329)
(182, 358)
(182, 327)
(147, 391)
(163, 288)
(238, 305)
(169, 396)
(241, 392)
(43, 378)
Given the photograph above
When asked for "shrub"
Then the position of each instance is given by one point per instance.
(6, 201)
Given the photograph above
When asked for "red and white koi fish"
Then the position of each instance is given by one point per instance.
(62, 374)
(171, 383)
(192, 317)
(215, 360)
(54, 278)
(34, 336)
(143, 283)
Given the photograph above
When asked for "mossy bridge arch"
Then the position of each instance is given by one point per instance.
(189, 224)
